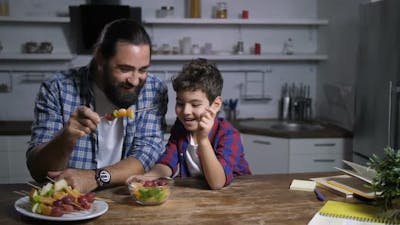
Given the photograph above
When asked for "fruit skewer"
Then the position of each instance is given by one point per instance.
(119, 113)
(55, 199)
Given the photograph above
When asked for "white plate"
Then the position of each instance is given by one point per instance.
(98, 208)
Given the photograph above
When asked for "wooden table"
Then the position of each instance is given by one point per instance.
(257, 199)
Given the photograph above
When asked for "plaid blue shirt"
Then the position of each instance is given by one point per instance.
(60, 96)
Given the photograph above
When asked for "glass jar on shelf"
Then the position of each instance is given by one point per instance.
(288, 47)
(175, 50)
(221, 11)
(154, 49)
(171, 12)
(166, 49)
(163, 12)
(195, 49)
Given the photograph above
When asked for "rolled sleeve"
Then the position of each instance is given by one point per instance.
(48, 120)
(228, 152)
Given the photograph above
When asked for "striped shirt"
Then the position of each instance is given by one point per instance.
(226, 143)
(61, 95)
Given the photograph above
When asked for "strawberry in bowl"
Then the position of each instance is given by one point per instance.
(147, 190)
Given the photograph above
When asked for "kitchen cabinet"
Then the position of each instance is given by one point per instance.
(236, 29)
(316, 154)
(12, 159)
(266, 155)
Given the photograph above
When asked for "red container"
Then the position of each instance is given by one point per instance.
(257, 48)
(245, 14)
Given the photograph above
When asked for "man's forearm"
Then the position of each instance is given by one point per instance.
(50, 156)
(124, 169)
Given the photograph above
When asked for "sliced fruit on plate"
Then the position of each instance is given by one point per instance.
(55, 199)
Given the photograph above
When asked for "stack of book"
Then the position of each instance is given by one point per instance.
(356, 182)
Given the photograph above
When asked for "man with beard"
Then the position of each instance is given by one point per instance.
(72, 139)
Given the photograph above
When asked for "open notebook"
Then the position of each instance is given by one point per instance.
(344, 213)
(362, 172)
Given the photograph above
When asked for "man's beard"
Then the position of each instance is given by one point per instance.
(116, 94)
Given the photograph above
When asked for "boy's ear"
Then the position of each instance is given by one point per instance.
(217, 103)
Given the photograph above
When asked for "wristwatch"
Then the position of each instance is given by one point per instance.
(103, 177)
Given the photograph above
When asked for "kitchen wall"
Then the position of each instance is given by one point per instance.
(276, 73)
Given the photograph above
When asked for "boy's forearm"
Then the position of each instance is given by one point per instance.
(160, 170)
(212, 168)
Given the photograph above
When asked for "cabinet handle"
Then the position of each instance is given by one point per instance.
(325, 145)
(262, 142)
(323, 160)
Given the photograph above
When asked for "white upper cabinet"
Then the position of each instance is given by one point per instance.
(18, 30)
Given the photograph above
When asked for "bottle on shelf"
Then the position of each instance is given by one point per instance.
(193, 8)
(4, 8)
(239, 48)
(288, 47)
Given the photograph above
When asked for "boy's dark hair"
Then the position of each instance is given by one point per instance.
(199, 74)
(121, 30)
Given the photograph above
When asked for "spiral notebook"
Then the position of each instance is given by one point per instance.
(344, 213)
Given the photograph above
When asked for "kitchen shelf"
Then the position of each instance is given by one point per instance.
(227, 56)
(263, 57)
(34, 19)
(33, 57)
(279, 22)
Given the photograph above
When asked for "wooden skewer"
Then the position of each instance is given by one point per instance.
(104, 199)
(77, 205)
(50, 179)
(34, 186)
(144, 109)
(19, 193)
(25, 192)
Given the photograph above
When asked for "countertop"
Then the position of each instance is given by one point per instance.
(255, 199)
(258, 127)
(15, 127)
(328, 131)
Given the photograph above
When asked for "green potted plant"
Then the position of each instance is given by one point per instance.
(387, 179)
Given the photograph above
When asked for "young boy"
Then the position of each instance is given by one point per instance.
(200, 143)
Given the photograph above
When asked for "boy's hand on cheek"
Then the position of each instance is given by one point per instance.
(206, 122)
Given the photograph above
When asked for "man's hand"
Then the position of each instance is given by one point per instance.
(82, 122)
(83, 180)
(54, 155)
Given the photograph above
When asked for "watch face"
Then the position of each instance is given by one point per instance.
(104, 176)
